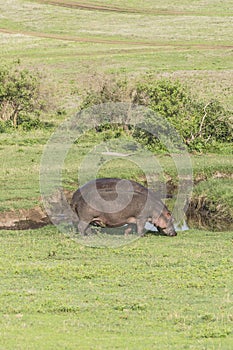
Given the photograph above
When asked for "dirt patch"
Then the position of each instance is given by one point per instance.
(23, 219)
(33, 218)
(216, 175)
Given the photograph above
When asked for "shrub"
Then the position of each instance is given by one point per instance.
(107, 90)
(200, 125)
(19, 95)
(28, 123)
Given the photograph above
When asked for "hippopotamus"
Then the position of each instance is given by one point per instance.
(114, 202)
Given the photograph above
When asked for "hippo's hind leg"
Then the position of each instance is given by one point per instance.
(129, 229)
(82, 227)
(141, 226)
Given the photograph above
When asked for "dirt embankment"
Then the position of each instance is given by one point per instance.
(203, 213)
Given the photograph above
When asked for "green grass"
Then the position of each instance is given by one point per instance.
(157, 293)
(194, 44)
(20, 161)
(159, 7)
(189, 27)
(21, 156)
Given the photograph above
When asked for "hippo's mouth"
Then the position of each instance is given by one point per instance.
(167, 232)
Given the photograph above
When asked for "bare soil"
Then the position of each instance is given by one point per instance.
(23, 219)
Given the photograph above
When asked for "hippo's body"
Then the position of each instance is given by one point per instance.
(114, 202)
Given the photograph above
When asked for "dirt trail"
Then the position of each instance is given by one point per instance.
(88, 6)
(110, 8)
(123, 42)
(78, 39)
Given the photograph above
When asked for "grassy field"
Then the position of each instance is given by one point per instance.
(157, 292)
(21, 156)
(189, 40)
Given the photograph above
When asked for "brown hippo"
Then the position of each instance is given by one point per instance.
(113, 202)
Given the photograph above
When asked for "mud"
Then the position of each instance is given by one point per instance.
(23, 219)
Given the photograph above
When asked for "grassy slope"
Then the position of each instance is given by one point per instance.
(192, 45)
(158, 293)
(170, 6)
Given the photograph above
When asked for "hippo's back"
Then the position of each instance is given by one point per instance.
(115, 184)
(109, 194)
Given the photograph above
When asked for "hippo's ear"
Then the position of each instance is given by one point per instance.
(170, 217)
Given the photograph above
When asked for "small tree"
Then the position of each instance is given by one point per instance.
(19, 94)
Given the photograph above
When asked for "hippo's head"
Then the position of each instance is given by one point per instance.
(164, 224)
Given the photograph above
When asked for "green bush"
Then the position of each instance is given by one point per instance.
(6, 126)
(19, 97)
(28, 123)
(201, 126)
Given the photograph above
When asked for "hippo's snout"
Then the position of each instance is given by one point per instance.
(169, 231)
(172, 233)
